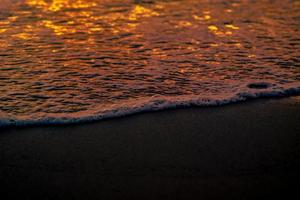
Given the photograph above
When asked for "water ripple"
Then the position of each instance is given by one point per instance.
(74, 59)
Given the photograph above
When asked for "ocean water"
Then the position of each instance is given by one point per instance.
(65, 61)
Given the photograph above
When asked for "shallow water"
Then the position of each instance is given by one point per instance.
(76, 60)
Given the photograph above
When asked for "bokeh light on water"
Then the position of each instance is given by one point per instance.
(68, 57)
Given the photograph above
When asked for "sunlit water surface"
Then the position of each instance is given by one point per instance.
(73, 60)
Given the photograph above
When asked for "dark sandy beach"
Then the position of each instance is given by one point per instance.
(240, 151)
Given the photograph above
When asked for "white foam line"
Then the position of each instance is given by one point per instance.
(151, 105)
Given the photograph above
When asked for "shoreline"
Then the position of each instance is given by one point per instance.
(241, 151)
(149, 107)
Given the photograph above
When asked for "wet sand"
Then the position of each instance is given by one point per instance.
(239, 151)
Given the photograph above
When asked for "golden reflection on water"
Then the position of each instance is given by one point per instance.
(205, 17)
(222, 33)
(87, 21)
(56, 5)
(232, 27)
(139, 11)
(71, 55)
(24, 36)
(58, 30)
(80, 18)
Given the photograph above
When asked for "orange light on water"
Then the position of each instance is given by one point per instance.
(56, 5)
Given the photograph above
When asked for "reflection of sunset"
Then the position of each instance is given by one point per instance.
(72, 55)
(56, 5)
(84, 20)
(58, 30)
(141, 11)
(232, 27)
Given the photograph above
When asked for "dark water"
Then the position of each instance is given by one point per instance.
(70, 60)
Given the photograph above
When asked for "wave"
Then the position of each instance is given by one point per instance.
(254, 91)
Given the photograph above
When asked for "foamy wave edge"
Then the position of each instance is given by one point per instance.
(152, 104)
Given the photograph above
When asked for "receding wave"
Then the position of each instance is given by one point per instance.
(152, 104)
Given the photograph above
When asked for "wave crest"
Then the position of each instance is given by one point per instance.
(149, 104)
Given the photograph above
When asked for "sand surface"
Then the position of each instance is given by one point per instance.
(240, 151)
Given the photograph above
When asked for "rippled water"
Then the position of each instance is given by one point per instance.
(71, 60)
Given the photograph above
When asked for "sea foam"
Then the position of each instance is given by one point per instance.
(146, 105)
